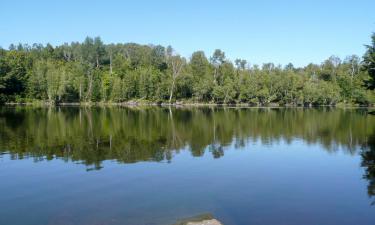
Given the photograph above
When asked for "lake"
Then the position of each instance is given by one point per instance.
(154, 165)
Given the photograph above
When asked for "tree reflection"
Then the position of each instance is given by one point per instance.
(129, 135)
(368, 162)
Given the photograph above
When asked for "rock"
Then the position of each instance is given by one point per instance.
(203, 219)
(205, 222)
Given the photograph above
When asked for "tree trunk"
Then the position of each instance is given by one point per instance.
(110, 141)
(80, 91)
(171, 94)
(88, 96)
(110, 63)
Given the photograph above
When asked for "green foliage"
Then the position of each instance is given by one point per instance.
(14, 66)
(369, 63)
(92, 71)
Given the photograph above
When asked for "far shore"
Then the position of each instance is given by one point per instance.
(183, 104)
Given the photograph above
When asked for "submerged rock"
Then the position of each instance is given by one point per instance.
(205, 222)
(204, 219)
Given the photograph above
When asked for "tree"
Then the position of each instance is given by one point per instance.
(37, 83)
(354, 62)
(199, 64)
(289, 66)
(116, 93)
(99, 50)
(240, 64)
(54, 78)
(14, 66)
(176, 63)
(158, 57)
(248, 89)
(225, 93)
(217, 59)
(369, 63)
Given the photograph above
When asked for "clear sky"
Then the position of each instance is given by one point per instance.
(258, 31)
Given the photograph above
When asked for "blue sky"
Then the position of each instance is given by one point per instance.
(258, 31)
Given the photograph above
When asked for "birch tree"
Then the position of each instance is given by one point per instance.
(176, 63)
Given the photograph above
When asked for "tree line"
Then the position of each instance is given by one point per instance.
(92, 71)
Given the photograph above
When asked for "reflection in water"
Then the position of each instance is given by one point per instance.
(129, 135)
(368, 161)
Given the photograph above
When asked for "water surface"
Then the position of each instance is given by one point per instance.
(129, 166)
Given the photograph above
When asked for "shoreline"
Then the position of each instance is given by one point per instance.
(180, 104)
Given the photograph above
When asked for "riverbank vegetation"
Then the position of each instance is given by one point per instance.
(92, 71)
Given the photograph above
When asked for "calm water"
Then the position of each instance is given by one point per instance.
(89, 166)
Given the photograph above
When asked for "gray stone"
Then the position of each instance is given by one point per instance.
(205, 222)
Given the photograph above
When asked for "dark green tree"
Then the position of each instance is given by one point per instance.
(369, 63)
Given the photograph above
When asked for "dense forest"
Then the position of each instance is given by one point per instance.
(92, 71)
